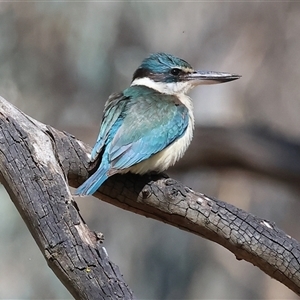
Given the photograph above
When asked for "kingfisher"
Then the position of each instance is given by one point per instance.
(149, 125)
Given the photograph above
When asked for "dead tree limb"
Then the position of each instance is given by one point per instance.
(35, 162)
(36, 182)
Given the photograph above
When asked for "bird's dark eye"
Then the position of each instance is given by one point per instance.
(175, 71)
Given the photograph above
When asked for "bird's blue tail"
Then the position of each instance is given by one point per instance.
(92, 184)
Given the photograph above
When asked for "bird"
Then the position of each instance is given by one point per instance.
(148, 126)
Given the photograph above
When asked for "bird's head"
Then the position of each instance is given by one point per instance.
(172, 75)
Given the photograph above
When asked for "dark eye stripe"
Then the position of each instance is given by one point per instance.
(176, 71)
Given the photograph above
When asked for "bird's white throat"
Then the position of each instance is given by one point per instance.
(169, 88)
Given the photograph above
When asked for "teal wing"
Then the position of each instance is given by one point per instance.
(151, 123)
(112, 112)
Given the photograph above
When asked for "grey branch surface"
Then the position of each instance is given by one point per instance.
(38, 162)
(34, 174)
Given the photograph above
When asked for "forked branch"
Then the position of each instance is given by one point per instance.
(38, 162)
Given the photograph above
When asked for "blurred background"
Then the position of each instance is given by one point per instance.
(59, 62)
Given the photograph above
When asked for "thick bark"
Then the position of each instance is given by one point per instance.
(36, 182)
(35, 162)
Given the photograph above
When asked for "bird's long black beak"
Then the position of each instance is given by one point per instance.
(210, 77)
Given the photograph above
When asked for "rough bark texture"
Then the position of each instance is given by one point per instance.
(35, 162)
(35, 180)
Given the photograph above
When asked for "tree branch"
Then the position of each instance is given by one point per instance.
(34, 178)
(35, 162)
